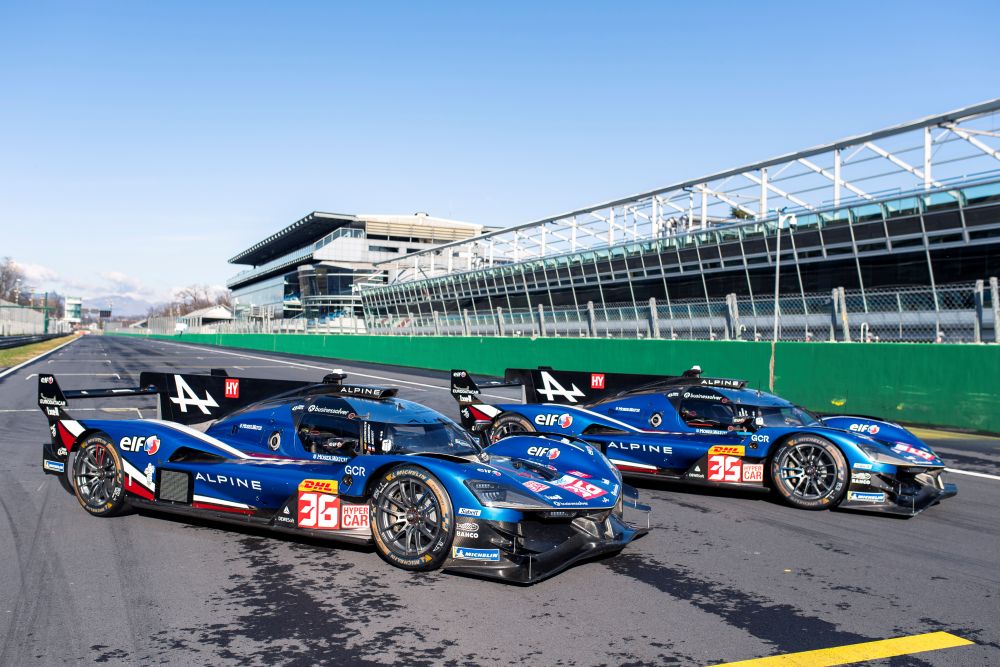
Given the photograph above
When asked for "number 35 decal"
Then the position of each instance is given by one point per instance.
(319, 511)
(724, 468)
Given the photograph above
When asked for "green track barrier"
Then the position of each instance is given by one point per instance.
(941, 385)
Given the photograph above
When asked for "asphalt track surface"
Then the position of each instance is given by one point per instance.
(720, 577)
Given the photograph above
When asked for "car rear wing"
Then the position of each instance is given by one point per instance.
(547, 385)
(181, 398)
(53, 400)
(465, 390)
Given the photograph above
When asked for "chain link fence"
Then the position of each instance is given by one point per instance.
(955, 313)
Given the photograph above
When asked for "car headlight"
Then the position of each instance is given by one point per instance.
(883, 457)
(502, 496)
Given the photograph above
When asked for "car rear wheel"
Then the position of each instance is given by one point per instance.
(509, 423)
(98, 477)
(412, 519)
(809, 472)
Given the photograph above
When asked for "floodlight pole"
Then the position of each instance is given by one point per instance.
(790, 220)
(777, 281)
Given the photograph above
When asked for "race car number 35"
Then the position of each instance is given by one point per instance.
(724, 468)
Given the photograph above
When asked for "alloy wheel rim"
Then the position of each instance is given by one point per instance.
(409, 518)
(96, 475)
(808, 471)
(502, 431)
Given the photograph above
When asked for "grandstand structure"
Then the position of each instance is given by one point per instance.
(309, 271)
(893, 234)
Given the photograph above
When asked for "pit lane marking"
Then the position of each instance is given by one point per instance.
(853, 653)
(328, 369)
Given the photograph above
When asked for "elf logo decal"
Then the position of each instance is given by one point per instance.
(150, 444)
(186, 396)
(551, 453)
(870, 429)
(563, 420)
(551, 388)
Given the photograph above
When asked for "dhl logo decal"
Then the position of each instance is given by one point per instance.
(318, 485)
(730, 450)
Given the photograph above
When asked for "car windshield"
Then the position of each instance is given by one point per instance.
(436, 438)
(783, 416)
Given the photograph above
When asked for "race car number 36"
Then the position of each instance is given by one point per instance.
(319, 511)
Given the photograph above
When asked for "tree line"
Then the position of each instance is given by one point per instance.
(15, 288)
(190, 299)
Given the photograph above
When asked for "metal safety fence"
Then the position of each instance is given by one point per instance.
(20, 320)
(263, 325)
(955, 313)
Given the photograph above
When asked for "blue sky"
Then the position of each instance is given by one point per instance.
(142, 143)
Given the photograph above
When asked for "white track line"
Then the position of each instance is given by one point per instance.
(324, 368)
(78, 361)
(36, 358)
(117, 409)
(62, 375)
(974, 474)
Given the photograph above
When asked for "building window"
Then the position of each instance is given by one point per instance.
(383, 248)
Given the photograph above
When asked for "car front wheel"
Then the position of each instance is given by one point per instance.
(809, 472)
(412, 519)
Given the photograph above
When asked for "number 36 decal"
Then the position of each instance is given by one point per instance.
(320, 511)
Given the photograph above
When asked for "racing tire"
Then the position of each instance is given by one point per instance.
(509, 423)
(99, 477)
(412, 519)
(809, 472)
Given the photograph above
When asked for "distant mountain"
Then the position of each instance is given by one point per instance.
(121, 306)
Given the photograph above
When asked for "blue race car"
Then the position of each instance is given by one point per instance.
(344, 462)
(716, 431)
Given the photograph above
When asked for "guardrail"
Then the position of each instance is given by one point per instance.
(7, 342)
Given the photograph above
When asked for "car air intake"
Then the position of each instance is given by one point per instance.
(175, 486)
